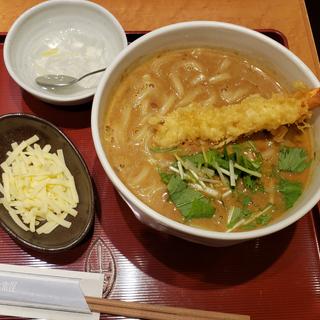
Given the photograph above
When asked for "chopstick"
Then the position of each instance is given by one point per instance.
(156, 312)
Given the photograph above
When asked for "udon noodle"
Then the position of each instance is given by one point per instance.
(224, 187)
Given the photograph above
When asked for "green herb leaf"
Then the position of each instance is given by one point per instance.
(293, 159)
(197, 159)
(200, 208)
(165, 177)
(215, 157)
(291, 191)
(246, 200)
(237, 215)
(191, 203)
(249, 226)
(240, 151)
(176, 185)
(252, 183)
(264, 219)
(225, 153)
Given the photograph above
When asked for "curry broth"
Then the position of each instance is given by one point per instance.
(173, 79)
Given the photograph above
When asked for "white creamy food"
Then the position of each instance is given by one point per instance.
(71, 52)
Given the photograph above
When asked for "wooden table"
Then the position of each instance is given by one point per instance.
(288, 16)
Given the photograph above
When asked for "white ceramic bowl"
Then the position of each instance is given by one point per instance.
(215, 34)
(72, 27)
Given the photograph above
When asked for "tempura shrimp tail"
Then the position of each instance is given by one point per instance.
(225, 124)
(313, 98)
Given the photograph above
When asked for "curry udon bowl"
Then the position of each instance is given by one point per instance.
(216, 35)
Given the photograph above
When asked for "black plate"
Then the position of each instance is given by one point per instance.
(19, 127)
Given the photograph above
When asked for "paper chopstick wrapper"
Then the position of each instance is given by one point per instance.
(47, 293)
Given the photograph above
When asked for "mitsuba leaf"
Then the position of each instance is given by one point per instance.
(197, 159)
(200, 208)
(252, 183)
(165, 177)
(260, 221)
(291, 191)
(264, 219)
(191, 203)
(240, 157)
(237, 215)
(293, 159)
(214, 157)
(175, 186)
(249, 226)
(246, 200)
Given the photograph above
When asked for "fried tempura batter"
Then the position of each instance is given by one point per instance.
(227, 123)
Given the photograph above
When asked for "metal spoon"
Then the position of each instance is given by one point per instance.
(60, 80)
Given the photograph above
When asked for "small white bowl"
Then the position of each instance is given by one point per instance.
(74, 27)
(208, 34)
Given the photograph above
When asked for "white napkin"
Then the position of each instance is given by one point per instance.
(91, 285)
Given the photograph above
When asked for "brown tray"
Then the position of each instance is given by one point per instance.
(275, 277)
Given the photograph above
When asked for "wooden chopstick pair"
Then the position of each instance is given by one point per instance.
(156, 312)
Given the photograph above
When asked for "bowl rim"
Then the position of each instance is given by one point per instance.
(86, 173)
(26, 15)
(154, 215)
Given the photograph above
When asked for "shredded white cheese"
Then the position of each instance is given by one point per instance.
(38, 189)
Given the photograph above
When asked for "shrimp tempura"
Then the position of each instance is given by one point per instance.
(225, 124)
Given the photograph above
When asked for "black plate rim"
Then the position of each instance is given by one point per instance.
(86, 173)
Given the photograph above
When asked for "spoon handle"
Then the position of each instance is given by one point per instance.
(93, 72)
